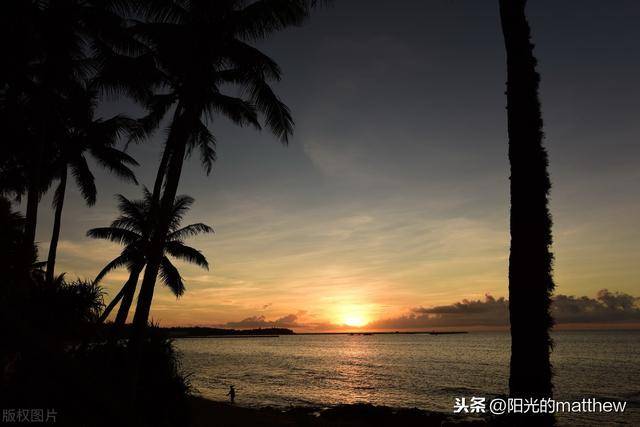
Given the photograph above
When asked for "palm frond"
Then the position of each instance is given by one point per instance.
(120, 126)
(163, 11)
(239, 111)
(135, 76)
(134, 209)
(189, 231)
(84, 179)
(170, 276)
(202, 138)
(186, 253)
(180, 207)
(158, 106)
(115, 161)
(120, 261)
(116, 235)
(277, 114)
(244, 58)
(128, 223)
(263, 17)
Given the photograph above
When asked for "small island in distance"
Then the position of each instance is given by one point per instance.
(209, 332)
(206, 332)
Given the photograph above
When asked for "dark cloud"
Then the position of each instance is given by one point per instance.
(606, 307)
(288, 321)
(490, 312)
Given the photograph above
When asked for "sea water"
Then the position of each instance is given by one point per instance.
(424, 371)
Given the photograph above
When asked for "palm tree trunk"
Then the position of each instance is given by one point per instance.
(129, 290)
(530, 262)
(155, 198)
(155, 212)
(31, 216)
(158, 236)
(33, 195)
(166, 155)
(162, 170)
(55, 235)
(156, 245)
(107, 311)
(155, 251)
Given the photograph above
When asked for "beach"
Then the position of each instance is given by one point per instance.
(207, 412)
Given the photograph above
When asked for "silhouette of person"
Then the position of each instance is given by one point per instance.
(232, 394)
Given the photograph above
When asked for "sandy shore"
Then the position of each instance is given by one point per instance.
(208, 413)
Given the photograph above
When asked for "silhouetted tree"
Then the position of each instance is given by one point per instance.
(129, 229)
(530, 262)
(51, 58)
(192, 81)
(84, 134)
(15, 265)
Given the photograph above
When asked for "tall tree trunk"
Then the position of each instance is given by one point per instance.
(129, 290)
(154, 213)
(33, 194)
(55, 235)
(107, 311)
(166, 155)
(530, 262)
(155, 249)
(157, 186)
(31, 216)
(158, 235)
(156, 245)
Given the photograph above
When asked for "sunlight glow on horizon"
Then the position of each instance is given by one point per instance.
(354, 320)
(352, 315)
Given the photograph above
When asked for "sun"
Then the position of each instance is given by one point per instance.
(351, 314)
(354, 320)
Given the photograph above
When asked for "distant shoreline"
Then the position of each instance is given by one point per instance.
(207, 332)
(386, 333)
(228, 336)
(204, 332)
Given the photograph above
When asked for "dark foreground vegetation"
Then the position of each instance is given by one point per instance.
(57, 357)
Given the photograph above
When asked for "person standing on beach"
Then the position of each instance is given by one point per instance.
(232, 394)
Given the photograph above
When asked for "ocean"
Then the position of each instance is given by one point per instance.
(424, 371)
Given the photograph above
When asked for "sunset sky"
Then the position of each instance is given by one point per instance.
(392, 196)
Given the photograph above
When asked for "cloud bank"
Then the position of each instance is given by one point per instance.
(606, 308)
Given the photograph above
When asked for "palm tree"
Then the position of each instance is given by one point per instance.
(84, 134)
(530, 262)
(129, 229)
(53, 56)
(220, 55)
